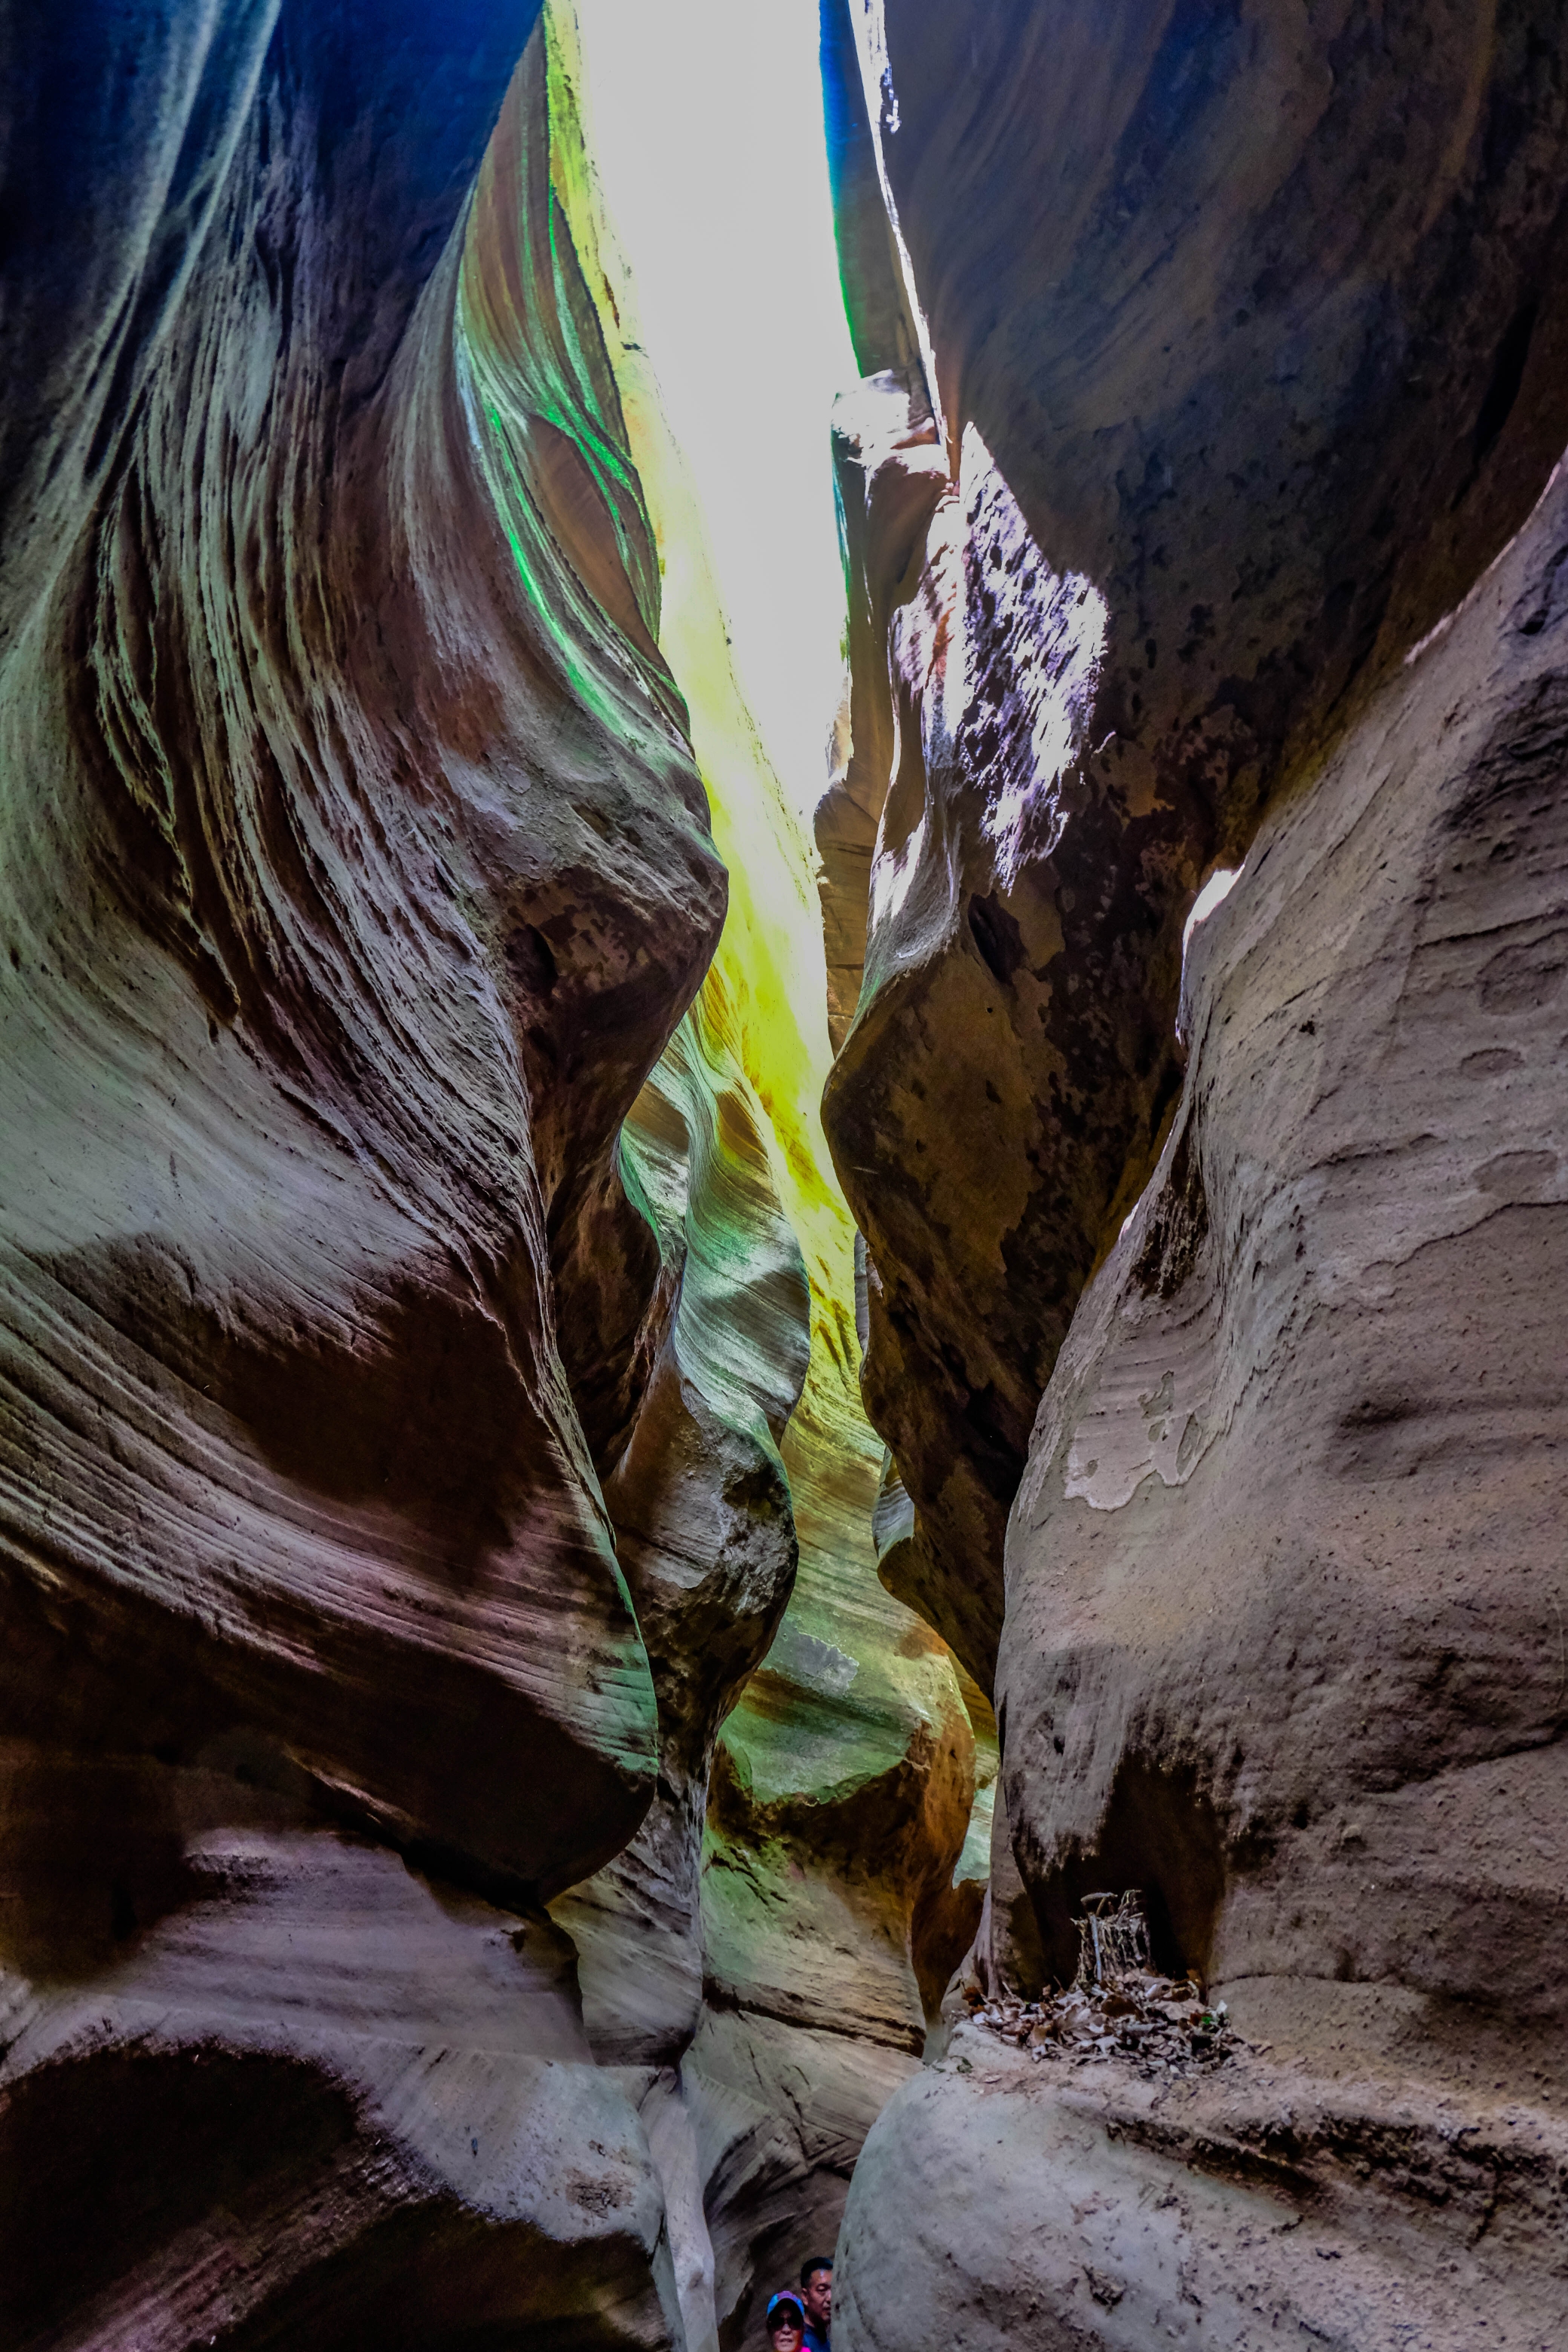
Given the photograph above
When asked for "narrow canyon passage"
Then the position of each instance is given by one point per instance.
(782, 1196)
(839, 1880)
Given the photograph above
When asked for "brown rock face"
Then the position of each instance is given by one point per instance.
(1245, 326)
(706, 1535)
(1242, 324)
(322, 2101)
(1001, 1150)
(1283, 1644)
(1088, 2208)
(404, 1317)
(889, 475)
(283, 1158)
(479, 1847)
(841, 1797)
(1316, 1381)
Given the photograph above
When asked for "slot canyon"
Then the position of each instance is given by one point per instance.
(784, 953)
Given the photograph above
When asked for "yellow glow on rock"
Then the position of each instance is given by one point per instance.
(764, 1006)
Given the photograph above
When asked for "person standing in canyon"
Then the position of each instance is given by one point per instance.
(816, 2284)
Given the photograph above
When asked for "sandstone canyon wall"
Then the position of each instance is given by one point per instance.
(1284, 1581)
(1213, 1319)
(310, 1589)
(430, 1363)
(828, 1919)
(501, 1794)
(1244, 338)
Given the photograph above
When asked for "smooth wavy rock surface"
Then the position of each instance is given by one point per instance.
(1255, 315)
(428, 1354)
(1283, 1636)
(354, 870)
(302, 901)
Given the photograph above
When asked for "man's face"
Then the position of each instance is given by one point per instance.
(819, 2298)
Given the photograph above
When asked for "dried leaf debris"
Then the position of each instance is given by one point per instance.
(1120, 2006)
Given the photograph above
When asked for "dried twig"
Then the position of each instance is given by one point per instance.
(1112, 1936)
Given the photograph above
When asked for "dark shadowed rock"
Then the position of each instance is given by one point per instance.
(1256, 320)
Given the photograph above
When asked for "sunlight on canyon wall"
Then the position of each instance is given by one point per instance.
(763, 1005)
(844, 1776)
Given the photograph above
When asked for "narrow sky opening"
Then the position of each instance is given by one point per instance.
(706, 123)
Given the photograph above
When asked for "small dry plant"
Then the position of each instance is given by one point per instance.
(1113, 1941)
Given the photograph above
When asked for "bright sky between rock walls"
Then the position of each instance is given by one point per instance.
(707, 136)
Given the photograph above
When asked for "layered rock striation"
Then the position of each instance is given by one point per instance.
(356, 869)
(429, 1339)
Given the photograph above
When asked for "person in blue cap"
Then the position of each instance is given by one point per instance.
(786, 2321)
(817, 2281)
